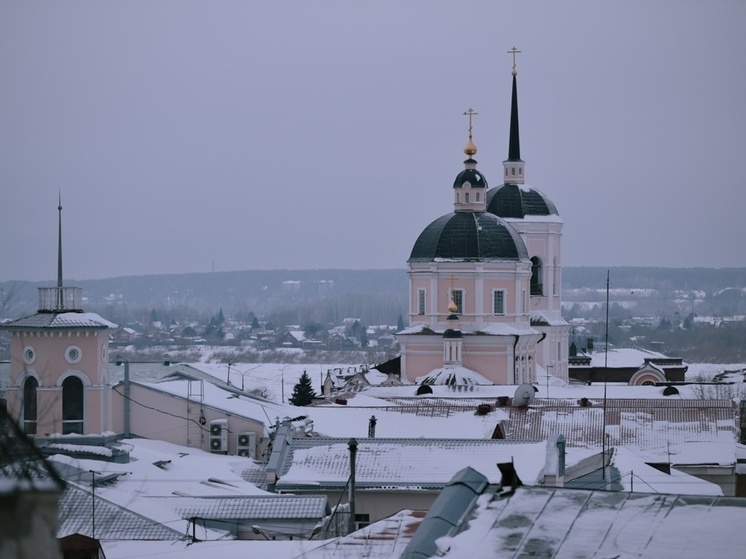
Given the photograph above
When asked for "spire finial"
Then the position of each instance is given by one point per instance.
(514, 51)
(470, 148)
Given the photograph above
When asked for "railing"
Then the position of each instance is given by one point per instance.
(56, 299)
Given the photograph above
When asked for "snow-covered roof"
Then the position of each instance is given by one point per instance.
(404, 463)
(565, 523)
(452, 376)
(49, 320)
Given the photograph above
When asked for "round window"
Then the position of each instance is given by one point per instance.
(104, 354)
(73, 354)
(29, 355)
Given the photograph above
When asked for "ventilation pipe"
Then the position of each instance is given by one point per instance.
(352, 444)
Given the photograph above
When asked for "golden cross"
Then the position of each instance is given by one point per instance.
(471, 112)
(514, 51)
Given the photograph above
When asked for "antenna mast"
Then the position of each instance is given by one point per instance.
(606, 374)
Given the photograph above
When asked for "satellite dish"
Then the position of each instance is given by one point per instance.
(524, 395)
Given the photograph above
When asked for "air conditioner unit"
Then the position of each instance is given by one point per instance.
(246, 445)
(219, 436)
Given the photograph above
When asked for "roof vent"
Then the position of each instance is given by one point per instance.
(503, 401)
(483, 409)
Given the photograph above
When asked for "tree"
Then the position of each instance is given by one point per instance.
(303, 393)
(400, 324)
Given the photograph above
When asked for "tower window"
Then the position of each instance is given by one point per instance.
(498, 302)
(73, 395)
(458, 298)
(520, 171)
(420, 301)
(537, 288)
(512, 171)
(477, 196)
(29, 405)
(466, 198)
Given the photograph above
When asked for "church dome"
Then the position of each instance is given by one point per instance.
(468, 236)
(470, 177)
(518, 201)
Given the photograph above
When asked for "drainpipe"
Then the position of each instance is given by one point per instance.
(515, 344)
(352, 444)
(127, 399)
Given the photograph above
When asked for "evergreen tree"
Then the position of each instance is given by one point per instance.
(303, 393)
(400, 324)
(221, 318)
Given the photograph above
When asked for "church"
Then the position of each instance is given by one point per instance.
(485, 281)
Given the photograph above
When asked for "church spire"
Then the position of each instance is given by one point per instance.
(514, 165)
(60, 302)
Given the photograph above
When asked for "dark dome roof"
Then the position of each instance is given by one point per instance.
(474, 177)
(469, 236)
(451, 333)
(512, 200)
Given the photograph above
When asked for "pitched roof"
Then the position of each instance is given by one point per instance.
(252, 507)
(565, 523)
(404, 463)
(63, 320)
(112, 522)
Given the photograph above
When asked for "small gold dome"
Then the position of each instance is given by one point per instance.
(452, 307)
(470, 149)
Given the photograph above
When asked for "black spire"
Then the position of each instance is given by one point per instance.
(514, 148)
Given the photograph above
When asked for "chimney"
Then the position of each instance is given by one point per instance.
(372, 427)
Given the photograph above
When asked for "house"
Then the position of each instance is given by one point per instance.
(633, 366)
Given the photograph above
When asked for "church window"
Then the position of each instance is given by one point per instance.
(536, 286)
(458, 298)
(29, 355)
(73, 354)
(477, 196)
(29, 405)
(420, 301)
(523, 302)
(498, 302)
(520, 171)
(73, 395)
(506, 171)
(512, 171)
(466, 198)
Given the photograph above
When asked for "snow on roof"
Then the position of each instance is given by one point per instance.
(636, 475)
(565, 523)
(452, 375)
(214, 396)
(406, 463)
(624, 357)
(60, 320)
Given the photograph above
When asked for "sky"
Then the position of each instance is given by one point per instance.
(192, 136)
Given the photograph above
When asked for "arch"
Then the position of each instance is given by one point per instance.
(30, 405)
(646, 376)
(537, 288)
(23, 375)
(73, 405)
(73, 373)
(466, 198)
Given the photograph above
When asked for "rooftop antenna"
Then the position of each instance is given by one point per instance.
(606, 374)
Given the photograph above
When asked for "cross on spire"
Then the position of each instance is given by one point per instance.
(514, 51)
(470, 113)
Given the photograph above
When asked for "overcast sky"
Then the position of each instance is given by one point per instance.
(259, 135)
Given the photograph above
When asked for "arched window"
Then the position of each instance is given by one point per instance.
(29, 405)
(73, 397)
(466, 198)
(536, 286)
(477, 196)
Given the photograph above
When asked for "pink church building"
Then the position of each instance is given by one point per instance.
(485, 282)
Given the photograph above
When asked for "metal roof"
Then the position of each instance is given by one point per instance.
(512, 200)
(53, 320)
(258, 508)
(469, 236)
(112, 522)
